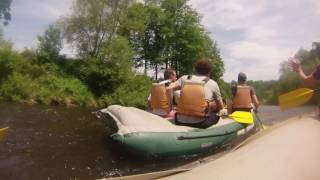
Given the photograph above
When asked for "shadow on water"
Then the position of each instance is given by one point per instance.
(46, 142)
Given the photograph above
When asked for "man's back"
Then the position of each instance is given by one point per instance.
(211, 88)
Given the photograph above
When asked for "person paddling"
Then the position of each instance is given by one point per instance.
(244, 96)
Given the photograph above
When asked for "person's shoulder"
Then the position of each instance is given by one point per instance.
(251, 87)
(165, 81)
(212, 81)
(184, 77)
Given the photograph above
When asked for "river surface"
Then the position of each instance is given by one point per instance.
(48, 142)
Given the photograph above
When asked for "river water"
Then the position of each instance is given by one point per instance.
(48, 142)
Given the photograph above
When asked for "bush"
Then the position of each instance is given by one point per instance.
(64, 90)
(133, 92)
(106, 73)
(18, 87)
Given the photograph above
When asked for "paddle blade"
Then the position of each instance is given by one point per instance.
(3, 132)
(242, 117)
(295, 98)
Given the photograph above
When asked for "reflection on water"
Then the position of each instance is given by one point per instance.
(46, 142)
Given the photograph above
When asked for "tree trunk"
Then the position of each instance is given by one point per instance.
(145, 67)
(156, 71)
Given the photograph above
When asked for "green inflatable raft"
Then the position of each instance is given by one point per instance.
(146, 134)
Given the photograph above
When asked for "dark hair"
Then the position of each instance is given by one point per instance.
(167, 73)
(203, 66)
(242, 78)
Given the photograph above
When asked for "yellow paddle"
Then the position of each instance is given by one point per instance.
(3, 132)
(264, 127)
(295, 98)
(242, 117)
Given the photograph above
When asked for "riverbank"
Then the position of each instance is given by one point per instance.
(290, 150)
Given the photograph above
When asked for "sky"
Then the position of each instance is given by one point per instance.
(253, 36)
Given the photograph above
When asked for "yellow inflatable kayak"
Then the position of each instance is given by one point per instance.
(3, 132)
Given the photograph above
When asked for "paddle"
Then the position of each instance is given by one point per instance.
(242, 117)
(264, 127)
(295, 98)
(3, 132)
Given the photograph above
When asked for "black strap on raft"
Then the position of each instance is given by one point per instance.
(206, 136)
(189, 77)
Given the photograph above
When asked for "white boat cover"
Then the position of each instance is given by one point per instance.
(130, 120)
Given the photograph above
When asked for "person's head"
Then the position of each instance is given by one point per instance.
(203, 66)
(170, 74)
(242, 78)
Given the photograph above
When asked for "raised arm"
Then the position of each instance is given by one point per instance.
(296, 66)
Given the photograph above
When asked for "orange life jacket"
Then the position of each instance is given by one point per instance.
(192, 101)
(160, 102)
(242, 98)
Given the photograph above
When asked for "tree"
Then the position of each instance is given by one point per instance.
(50, 44)
(5, 11)
(105, 76)
(187, 39)
(92, 24)
(168, 33)
(142, 26)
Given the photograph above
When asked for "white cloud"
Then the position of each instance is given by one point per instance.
(268, 32)
(34, 9)
(254, 36)
(260, 52)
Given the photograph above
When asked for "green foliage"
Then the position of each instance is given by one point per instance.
(134, 92)
(225, 89)
(105, 75)
(17, 87)
(169, 33)
(9, 61)
(50, 44)
(21, 80)
(64, 90)
(266, 91)
(92, 24)
(111, 37)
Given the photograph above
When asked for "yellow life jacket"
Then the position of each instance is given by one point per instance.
(160, 102)
(242, 98)
(192, 101)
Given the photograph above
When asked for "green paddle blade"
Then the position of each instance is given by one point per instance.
(295, 98)
(242, 117)
(3, 132)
